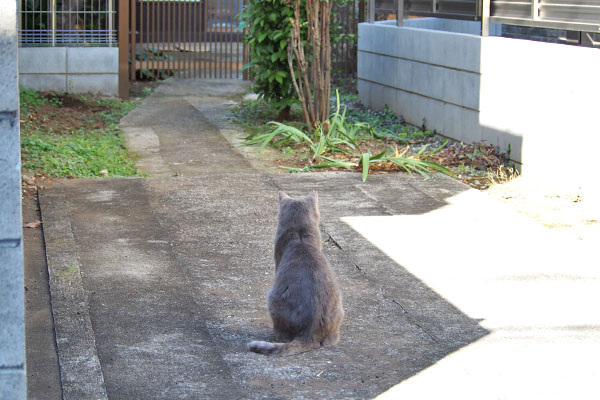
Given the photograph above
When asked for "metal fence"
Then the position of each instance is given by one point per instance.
(572, 15)
(569, 15)
(44, 23)
(346, 15)
(199, 38)
(195, 37)
(186, 39)
(455, 9)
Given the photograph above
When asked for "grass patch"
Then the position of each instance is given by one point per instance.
(369, 141)
(80, 154)
(255, 116)
(352, 138)
(73, 135)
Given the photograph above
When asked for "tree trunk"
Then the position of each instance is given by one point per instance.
(312, 82)
(284, 114)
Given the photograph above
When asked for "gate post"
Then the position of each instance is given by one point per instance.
(400, 13)
(123, 49)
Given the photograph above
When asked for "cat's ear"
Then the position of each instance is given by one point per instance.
(283, 196)
(315, 198)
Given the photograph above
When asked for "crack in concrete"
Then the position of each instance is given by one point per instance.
(416, 323)
(370, 196)
(334, 242)
(331, 240)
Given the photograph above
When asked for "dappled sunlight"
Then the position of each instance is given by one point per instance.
(536, 290)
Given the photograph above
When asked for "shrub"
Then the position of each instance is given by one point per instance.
(267, 25)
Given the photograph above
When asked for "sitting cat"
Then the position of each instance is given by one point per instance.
(305, 302)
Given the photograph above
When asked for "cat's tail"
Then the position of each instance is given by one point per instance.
(283, 349)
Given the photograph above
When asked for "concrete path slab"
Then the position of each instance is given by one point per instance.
(447, 293)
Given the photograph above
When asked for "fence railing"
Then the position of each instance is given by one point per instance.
(345, 18)
(455, 9)
(44, 23)
(186, 39)
(570, 15)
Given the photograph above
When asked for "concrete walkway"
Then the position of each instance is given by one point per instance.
(158, 283)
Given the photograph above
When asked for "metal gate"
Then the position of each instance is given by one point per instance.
(185, 39)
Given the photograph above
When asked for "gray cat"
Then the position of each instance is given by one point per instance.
(305, 302)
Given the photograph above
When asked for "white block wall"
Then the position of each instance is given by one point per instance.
(70, 69)
(539, 98)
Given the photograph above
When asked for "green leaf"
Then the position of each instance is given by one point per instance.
(422, 150)
(378, 156)
(294, 133)
(333, 163)
(249, 65)
(295, 169)
(438, 149)
(364, 160)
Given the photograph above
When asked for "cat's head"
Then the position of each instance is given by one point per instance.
(295, 211)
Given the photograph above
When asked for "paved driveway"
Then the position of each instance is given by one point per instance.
(158, 283)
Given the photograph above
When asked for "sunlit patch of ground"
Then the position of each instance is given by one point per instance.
(567, 207)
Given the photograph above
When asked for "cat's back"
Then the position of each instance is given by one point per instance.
(305, 267)
(298, 247)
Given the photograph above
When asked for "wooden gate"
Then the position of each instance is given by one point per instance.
(185, 39)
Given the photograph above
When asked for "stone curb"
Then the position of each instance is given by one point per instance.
(80, 371)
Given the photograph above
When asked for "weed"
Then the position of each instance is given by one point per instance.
(374, 132)
(31, 100)
(253, 114)
(73, 135)
(501, 175)
(147, 91)
(81, 154)
(115, 108)
(151, 56)
(384, 124)
(340, 136)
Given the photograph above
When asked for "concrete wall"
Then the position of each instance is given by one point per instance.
(70, 69)
(532, 96)
(12, 311)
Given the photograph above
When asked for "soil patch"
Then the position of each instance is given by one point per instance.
(64, 113)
